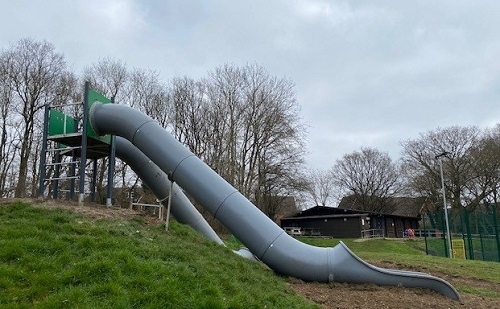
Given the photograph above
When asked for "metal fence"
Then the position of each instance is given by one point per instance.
(475, 234)
(372, 233)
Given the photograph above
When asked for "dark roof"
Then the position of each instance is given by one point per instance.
(324, 211)
(328, 216)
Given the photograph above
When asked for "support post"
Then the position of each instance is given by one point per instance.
(83, 155)
(72, 173)
(57, 170)
(73, 168)
(43, 152)
(169, 203)
(94, 180)
(111, 168)
(111, 171)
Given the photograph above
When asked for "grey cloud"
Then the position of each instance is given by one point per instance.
(367, 73)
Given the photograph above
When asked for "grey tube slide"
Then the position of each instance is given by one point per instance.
(158, 181)
(266, 240)
(182, 209)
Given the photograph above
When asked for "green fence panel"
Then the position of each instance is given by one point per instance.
(478, 228)
(59, 123)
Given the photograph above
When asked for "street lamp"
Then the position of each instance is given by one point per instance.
(448, 236)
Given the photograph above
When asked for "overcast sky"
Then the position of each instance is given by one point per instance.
(367, 73)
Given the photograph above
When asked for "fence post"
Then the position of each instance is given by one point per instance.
(470, 245)
(479, 229)
(425, 235)
(497, 234)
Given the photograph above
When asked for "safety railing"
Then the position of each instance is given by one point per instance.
(372, 233)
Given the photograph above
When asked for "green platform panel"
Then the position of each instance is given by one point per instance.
(60, 124)
(94, 97)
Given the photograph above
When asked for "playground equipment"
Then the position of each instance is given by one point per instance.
(266, 241)
(158, 163)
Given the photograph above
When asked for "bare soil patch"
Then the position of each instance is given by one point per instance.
(337, 295)
(90, 210)
(372, 296)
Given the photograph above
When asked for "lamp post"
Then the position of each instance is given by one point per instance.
(448, 236)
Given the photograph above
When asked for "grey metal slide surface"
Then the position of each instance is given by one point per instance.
(266, 240)
(158, 182)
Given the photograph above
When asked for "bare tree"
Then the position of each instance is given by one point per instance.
(225, 85)
(460, 166)
(370, 177)
(8, 151)
(147, 93)
(244, 123)
(108, 76)
(33, 69)
(279, 180)
(191, 114)
(70, 90)
(321, 187)
(485, 187)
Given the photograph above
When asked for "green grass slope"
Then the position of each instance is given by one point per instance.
(53, 258)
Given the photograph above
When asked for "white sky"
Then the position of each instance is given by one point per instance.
(367, 73)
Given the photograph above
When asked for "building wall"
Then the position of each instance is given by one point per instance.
(389, 228)
(395, 227)
(350, 226)
(335, 227)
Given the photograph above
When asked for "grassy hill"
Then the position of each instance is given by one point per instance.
(58, 258)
